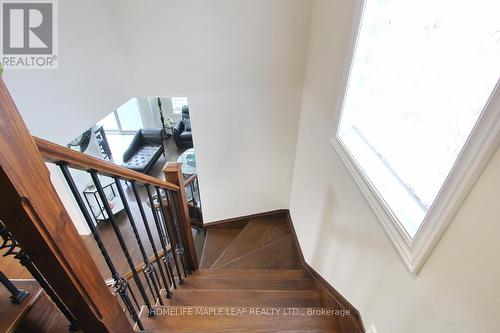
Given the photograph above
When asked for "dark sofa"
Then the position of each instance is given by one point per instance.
(144, 150)
(182, 130)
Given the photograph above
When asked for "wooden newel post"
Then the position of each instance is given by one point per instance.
(173, 174)
(33, 212)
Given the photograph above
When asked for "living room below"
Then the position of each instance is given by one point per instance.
(143, 135)
(160, 123)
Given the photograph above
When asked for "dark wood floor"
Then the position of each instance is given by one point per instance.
(43, 317)
(244, 267)
(110, 239)
(11, 313)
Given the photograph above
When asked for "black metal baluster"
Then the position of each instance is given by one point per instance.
(13, 248)
(193, 196)
(133, 297)
(120, 286)
(18, 295)
(119, 282)
(167, 220)
(167, 258)
(177, 225)
(162, 240)
(26, 262)
(111, 218)
(149, 285)
(151, 241)
(198, 191)
(148, 273)
(180, 250)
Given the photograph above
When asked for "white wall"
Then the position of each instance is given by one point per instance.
(91, 80)
(241, 65)
(457, 290)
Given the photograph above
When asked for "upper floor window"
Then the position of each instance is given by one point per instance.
(178, 103)
(420, 81)
(125, 119)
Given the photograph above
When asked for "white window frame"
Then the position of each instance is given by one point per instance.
(475, 155)
(177, 110)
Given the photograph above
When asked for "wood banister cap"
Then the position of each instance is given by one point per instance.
(55, 153)
(172, 167)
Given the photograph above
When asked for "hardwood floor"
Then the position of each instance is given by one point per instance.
(219, 240)
(43, 317)
(256, 234)
(111, 242)
(250, 280)
(12, 313)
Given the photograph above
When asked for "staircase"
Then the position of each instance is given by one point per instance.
(251, 276)
(250, 279)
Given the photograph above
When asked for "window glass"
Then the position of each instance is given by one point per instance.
(420, 78)
(109, 123)
(129, 115)
(178, 103)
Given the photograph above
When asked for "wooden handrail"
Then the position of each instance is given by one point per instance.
(33, 212)
(55, 153)
(190, 179)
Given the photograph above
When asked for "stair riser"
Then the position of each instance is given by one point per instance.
(245, 298)
(193, 319)
(250, 274)
(231, 284)
(256, 234)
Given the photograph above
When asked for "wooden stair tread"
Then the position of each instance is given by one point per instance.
(43, 317)
(262, 298)
(250, 274)
(279, 254)
(178, 319)
(13, 313)
(249, 284)
(257, 267)
(217, 240)
(257, 233)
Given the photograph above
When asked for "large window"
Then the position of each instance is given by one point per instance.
(178, 103)
(125, 119)
(420, 81)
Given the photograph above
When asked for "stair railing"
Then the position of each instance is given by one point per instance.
(190, 193)
(33, 212)
(194, 201)
(163, 199)
(191, 185)
(12, 247)
(173, 174)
